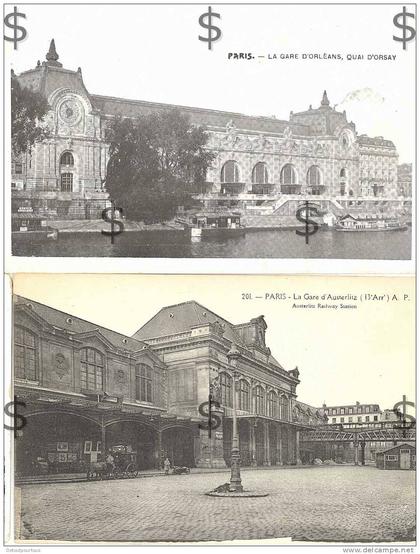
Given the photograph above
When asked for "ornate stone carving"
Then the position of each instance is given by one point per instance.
(215, 389)
(120, 376)
(60, 365)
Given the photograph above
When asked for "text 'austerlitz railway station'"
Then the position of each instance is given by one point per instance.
(264, 167)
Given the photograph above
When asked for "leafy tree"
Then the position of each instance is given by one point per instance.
(28, 112)
(157, 163)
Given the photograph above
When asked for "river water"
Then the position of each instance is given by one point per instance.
(281, 243)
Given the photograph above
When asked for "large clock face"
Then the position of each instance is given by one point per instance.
(70, 111)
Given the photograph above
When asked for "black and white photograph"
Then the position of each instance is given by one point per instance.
(184, 414)
(226, 135)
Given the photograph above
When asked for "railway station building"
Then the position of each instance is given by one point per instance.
(264, 167)
(88, 389)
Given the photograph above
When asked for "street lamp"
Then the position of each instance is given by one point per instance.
(235, 466)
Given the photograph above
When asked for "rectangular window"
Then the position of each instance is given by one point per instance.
(350, 410)
(375, 418)
(25, 354)
(367, 418)
(334, 412)
(391, 458)
(350, 420)
(359, 419)
(144, 383)
(18, 168)
(341, 410)
(341, 419)
(334, 419)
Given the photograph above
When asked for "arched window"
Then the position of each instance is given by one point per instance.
(230, 172)
(314, 177)
(260, 174)
(259, 400)
(66, 182)
(343, 173)
(25, 354)
(144, 383)
(272, 404)
(226, 389)
(284, 408)
(243, 395)
(67, 159)
(288, 175)
(91, 369)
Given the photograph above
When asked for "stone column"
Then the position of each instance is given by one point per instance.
(158, 450)
(291, 446)
(267, 460)
(211, 448)
(363, 453)
(297, 455)
(103, 440)
(356, 451)
(253, 460)
(279, 460)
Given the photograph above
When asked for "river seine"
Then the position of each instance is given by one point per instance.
(381, 245)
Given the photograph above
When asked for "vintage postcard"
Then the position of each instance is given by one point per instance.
(197, 409)
(195, 136)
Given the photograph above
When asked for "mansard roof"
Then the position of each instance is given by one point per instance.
(73, 324)
(181, 318)
(111, 106)
(375, 141)
(312, 410)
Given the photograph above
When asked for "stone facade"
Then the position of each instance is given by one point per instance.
(86, 385)
(263, 166)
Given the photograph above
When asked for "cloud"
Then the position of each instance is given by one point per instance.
(363, 95)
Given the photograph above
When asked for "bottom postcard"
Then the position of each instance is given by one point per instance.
(222, 409)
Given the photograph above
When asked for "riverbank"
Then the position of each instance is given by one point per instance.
(97, 225)
(252, 223)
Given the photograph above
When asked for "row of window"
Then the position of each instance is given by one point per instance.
(359, 419)
(92, 367)
(257, 402)
(353, 410)
(288, 175)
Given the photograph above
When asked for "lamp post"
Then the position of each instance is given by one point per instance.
(235, 467)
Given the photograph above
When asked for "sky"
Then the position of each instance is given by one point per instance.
(364, 354)
(152, 52)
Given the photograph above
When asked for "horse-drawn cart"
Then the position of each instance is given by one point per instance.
(123, 466)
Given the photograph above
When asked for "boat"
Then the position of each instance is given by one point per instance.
(353, 224)
(215, 224)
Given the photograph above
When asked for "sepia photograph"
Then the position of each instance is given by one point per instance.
(170, 409)
(275, 151)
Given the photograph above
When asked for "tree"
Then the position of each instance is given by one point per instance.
(157, 163)
(29, 109)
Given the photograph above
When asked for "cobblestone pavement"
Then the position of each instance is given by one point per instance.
(315, 504)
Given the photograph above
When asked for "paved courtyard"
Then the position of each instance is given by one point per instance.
(336, 503)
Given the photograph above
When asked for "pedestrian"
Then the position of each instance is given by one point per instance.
(110, 463)
(166, 466)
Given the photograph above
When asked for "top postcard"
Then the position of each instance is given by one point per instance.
(210, 138)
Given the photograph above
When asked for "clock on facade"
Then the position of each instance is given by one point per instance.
(70, 111)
